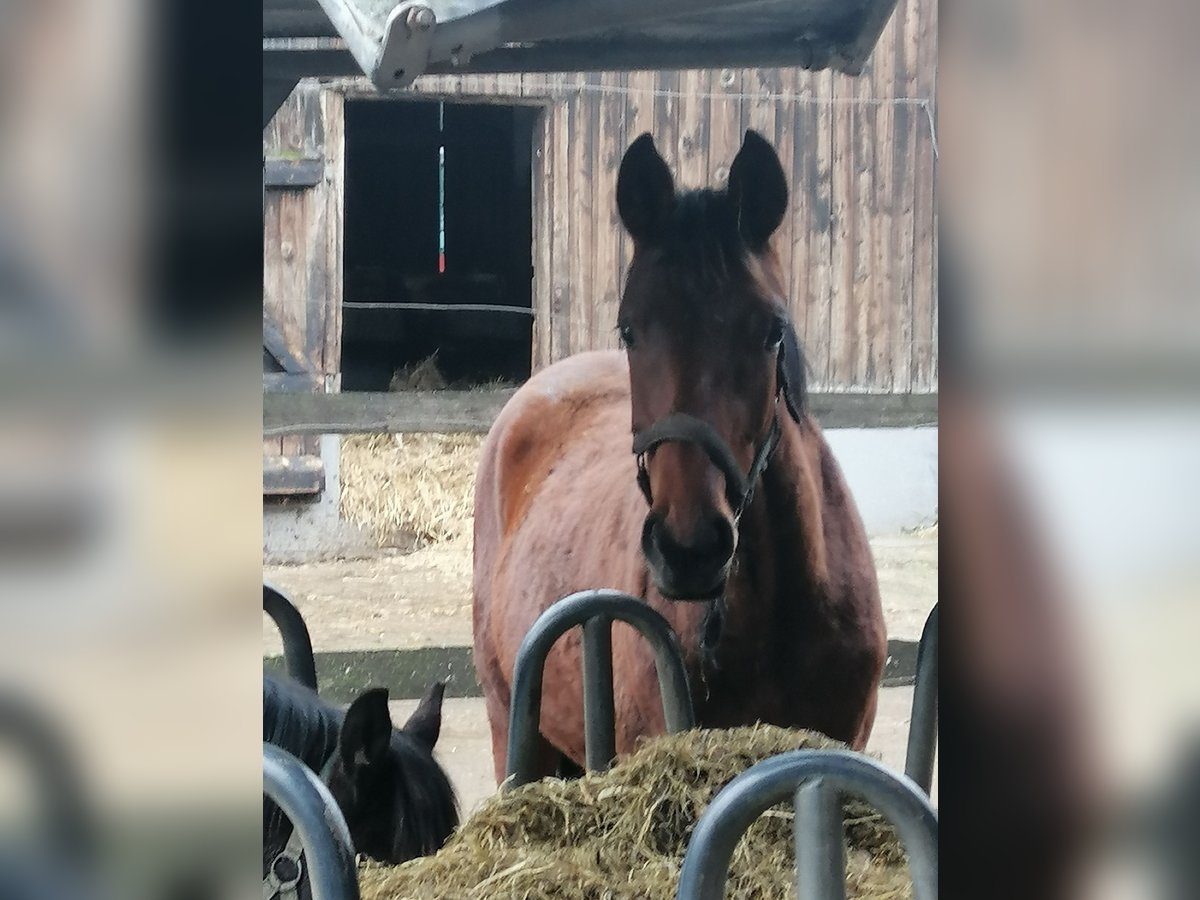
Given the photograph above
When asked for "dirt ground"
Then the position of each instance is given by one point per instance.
(423, 599)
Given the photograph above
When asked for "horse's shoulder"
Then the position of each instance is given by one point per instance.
(559, 408)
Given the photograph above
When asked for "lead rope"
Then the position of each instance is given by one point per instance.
(287, 868)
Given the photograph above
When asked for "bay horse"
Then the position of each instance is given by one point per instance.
(730, 516)
(397, 800)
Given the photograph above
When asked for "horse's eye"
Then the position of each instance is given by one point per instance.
(774, 335)
(626, 333)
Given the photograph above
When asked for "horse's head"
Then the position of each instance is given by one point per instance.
(396, 799)
(710, 352)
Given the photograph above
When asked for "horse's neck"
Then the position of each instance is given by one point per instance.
(781, 547)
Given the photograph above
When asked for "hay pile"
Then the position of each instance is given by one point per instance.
(410, 489)
(622, 834)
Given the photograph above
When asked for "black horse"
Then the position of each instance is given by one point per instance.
(396, 799)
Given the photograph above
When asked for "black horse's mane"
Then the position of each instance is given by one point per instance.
(298, 721)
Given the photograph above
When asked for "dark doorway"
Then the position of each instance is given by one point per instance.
(438, 245)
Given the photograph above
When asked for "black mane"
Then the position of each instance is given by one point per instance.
(296, 720)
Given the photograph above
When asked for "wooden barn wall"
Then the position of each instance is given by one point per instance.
(860, 245)
(302, 247)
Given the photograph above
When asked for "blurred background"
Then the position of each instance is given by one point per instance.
(130, 445)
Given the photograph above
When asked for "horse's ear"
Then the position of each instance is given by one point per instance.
(790, 372)
(645, 191)
(425, 724)
(367, 730)
(759, 191)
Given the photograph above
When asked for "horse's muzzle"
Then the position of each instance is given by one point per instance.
(695, 571)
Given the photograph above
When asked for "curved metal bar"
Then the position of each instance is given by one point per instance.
(297, 644)
(922, 727)
(69, 822)
(734, 809)
(304, 799)
(578, 609)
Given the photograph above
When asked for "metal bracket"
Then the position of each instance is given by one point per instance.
(404, 53)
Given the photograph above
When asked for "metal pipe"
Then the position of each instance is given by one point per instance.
(440, 307)
(306, 801)
(599, 726)
(525, 712)
(297, 644)
(820, 850)
(734, 809)
(922, 727)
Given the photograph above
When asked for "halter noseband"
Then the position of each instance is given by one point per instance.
(682, 428)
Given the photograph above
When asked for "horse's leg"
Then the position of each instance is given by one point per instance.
(550, 761)
(497, 712)
(867, 723)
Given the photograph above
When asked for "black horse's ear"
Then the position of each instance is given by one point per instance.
(425, 724)
(366, 731)
(645, 191)
(790, 372)
(759, 191)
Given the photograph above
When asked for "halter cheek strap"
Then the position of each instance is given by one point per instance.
(682, 428)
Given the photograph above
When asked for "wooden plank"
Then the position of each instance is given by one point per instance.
(275, 344)
(293, 475)
(560, 234)
(924, 253)
(725, 124)
(334, 103)
(692, 142)
(316, 275)
(449, 412)
(293, 173)
(442, 412)
(819, 178)
(841, 306)
(863, 149)
(607, 267)
(293, 382)
(543, 227)
(801, 137)
(881, 339)
(581, 147)
(907, 119)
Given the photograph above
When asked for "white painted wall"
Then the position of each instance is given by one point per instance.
(892, 473)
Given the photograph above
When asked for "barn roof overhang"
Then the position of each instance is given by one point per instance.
(394, 43)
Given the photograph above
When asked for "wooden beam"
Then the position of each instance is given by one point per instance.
(293, 173)
(293, 475)
(291, 382)
(275, 344)
(441, 412)
(446, 412)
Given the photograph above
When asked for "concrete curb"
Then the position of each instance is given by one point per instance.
(342, 675)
